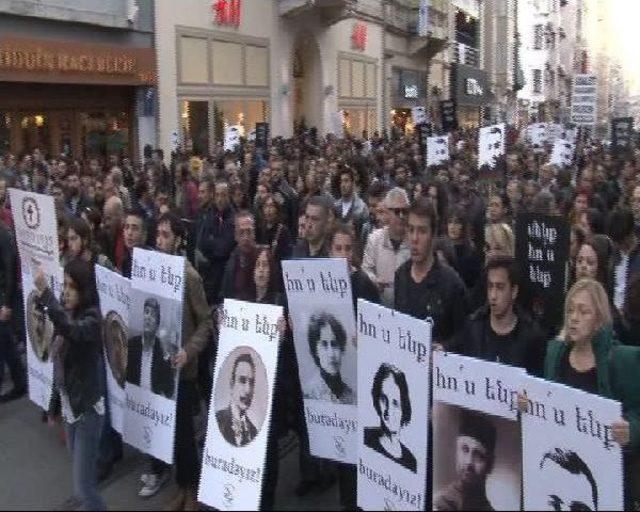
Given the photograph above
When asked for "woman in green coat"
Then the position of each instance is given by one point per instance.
(586, 356)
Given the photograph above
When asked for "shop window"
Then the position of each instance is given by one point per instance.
(5, 132)
(105, 133)
(538, 36)
(194, 123)
(360, 119)
(257, 59)
(227, 63)
(242, 113)
(194, 60)
(345, 78)
(357, 79)
(372, 81)
(34, 131)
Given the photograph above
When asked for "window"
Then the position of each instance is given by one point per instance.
(194, 122)
(227, 59)
(538, 36)
(193, 53)
(257, 66)
(357, 78)
(537, 80)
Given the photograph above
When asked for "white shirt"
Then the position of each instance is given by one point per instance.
(346, 206)
(145, 365)
(621, 281)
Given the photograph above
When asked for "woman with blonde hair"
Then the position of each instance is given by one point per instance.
(586, 356)
(499, 240)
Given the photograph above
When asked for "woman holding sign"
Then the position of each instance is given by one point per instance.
(77, 356)
(586, 356)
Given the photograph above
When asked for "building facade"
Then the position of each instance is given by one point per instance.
(293, 64)
(77, 79)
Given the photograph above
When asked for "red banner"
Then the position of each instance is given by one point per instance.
(359, 36)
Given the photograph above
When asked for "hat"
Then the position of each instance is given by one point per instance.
(479, 427)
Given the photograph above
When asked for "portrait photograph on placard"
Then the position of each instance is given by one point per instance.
(39, 328)
(115, 343)
(241, 396)
(477, 460)
(330, 360)
(154, 330)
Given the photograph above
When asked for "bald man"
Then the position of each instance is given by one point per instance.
(112, 230)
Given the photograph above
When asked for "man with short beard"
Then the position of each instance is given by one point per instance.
(76, 201)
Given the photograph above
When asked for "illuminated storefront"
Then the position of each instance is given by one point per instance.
(71, 98)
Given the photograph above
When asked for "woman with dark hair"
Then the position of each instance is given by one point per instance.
(271, 230)
(468, 261)
(593, 261)
(80, 246)
(78, 375)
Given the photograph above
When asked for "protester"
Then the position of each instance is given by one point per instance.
(387, 248)
(423, 287)
(586, 356)
(77, 355)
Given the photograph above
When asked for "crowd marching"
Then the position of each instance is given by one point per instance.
(436, 243)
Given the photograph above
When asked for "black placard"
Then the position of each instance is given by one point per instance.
(542, 249)
(424, 132)
(622, 133)
(262, 135)
(449, 116)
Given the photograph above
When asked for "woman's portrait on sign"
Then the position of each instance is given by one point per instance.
(115, 342)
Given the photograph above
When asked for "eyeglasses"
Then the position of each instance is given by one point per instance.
(399, 211)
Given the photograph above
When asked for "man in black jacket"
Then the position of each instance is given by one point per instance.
(8, 353)
(147, 365)
(498, 331)
(214, 236)
(426, 288)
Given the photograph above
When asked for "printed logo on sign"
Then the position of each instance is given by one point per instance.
(31, 213)
(146, 435)
(229, 495)
(338, 442)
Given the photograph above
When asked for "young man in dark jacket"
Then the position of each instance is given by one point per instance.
(424, 287)
(8, 353)
(499, 331)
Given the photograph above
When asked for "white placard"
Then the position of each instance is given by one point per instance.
(584, 100)
(234, 458)
(157, 292)
(231, 137)
(419, 115)
(36, 233)
(393, 394)
(491, 145)
(115, 304)
(437, 150)
(537, 134)
(563, 152)
(570, 460)
(321, 308)
(476, 437)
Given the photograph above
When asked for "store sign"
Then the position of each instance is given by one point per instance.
(584, 100)
(359, 37)
(227, 12)
(449, 116)
(61, 62)
(473, 88)
(411, 92)
(471, 85)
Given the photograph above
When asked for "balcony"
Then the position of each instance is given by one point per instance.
(330, 10)
(465, 54)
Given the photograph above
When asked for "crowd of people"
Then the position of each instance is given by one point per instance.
(436, 243)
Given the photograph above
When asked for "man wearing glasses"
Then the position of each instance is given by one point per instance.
(387, 248)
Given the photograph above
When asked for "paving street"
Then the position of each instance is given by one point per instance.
(35, 471)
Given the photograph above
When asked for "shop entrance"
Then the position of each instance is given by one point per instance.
(307, 85)
(77, 122)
